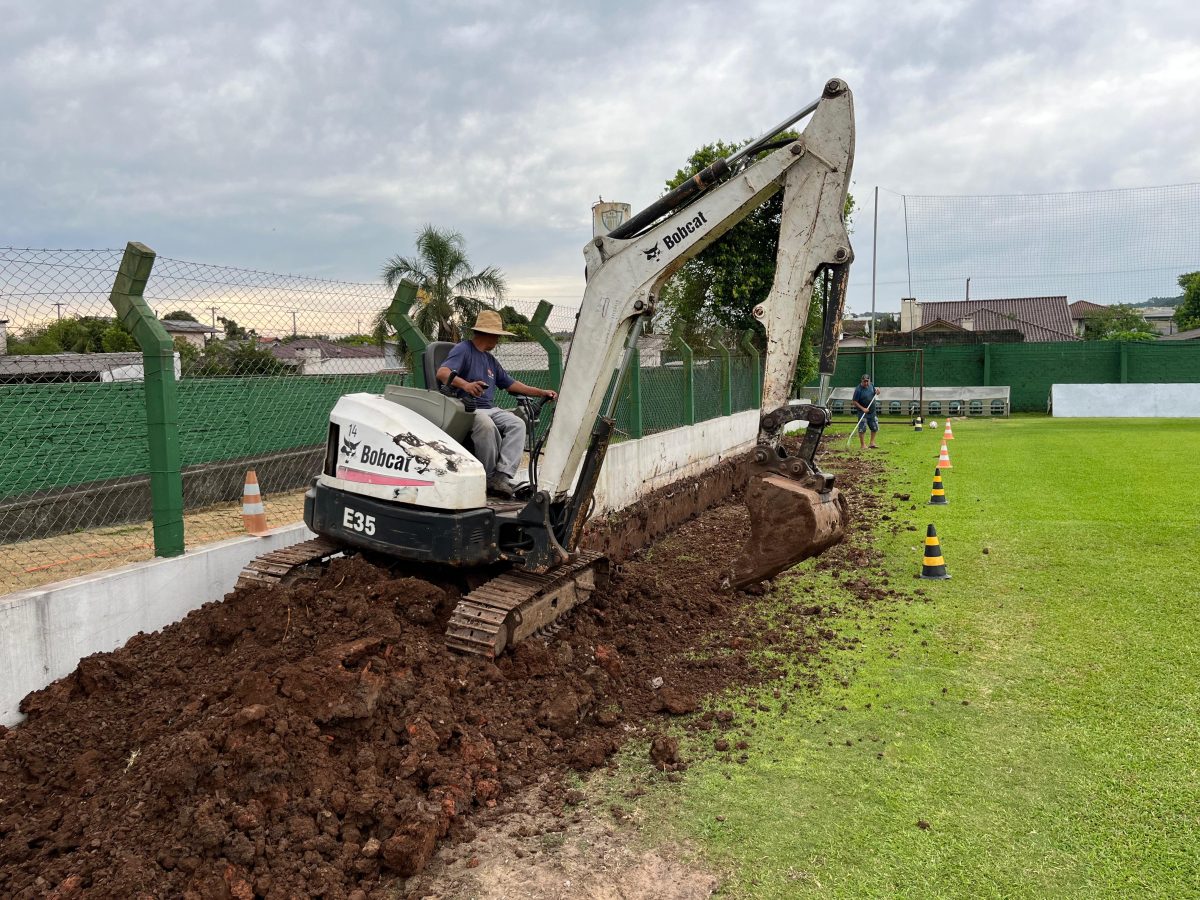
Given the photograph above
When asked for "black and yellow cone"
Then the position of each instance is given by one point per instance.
(933, 566)
(917, 424)
(937, 496)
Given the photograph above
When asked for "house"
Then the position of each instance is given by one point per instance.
(1036, 319)
(530, 356)
(855, 333)
(1080, 310)
(195, 333)
(1161, 317)
(317, 356)
(74, 367)
(1192, 334)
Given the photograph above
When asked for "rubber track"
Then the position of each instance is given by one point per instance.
(480, 615)
(271, 568)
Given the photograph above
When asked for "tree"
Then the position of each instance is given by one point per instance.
(517, 323)
(115, 339)
(1187, 313)
(447, 301)
(719, 288)
(74, 334)
(1117, 323)
(233, 331)
(179, 315)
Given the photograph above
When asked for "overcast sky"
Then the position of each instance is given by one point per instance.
(318, 138)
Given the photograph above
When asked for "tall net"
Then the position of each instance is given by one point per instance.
(1115, 246)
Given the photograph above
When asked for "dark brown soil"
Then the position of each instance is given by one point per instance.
(320, 740)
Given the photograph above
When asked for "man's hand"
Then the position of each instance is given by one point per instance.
(551, 395)
(474, 388)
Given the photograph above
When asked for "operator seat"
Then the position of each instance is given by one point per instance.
(435, 354)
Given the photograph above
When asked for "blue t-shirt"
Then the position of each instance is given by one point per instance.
(865, 396)
(473, 364)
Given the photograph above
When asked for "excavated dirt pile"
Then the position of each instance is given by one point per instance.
(319, 740)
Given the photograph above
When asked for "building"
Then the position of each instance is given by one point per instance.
(1080, 310)
(1161, 317)
(195, 333)
(855, 333)
(530, 356)
(60, 368)
(1035, 319)
(317, 356)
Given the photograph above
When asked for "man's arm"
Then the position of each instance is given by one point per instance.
(862, 408)
(519, 387)
(452, 363)
(474, 388)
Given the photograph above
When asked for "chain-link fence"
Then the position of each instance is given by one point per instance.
(111, 458)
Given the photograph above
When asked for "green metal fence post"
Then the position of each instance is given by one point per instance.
(162, 407)
(637, 428)
(689, 381)
(1124, 363)
(987, 364)
(537, 328)
(747, 345)
(726, 380)
(397, 316)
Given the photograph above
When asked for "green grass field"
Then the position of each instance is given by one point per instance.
(1040, 711)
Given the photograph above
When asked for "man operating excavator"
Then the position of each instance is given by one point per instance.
(474, 373)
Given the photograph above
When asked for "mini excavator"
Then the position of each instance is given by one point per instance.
(399, 480)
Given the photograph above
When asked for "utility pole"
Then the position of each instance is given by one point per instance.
(213, 310)
(293, 323)
(58, 306)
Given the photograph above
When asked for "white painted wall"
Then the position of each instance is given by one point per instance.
(634, 468)
(1125, 401)
(44, 632)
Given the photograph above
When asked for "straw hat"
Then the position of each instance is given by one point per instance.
(489, 323)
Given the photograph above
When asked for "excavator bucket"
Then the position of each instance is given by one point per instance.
(788, 523)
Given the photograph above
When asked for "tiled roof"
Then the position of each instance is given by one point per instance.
(183, 325)
(329, 350)
(1037, 318)
(1081, 308)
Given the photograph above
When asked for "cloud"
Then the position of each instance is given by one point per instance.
(318, 139)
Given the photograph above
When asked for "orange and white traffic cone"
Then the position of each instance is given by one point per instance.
(254, 515)
(948, 434)
(944, 459)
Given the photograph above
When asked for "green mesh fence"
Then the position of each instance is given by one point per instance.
(261, 358)
(1030, 369)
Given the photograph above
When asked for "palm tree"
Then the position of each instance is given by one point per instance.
(448, 291)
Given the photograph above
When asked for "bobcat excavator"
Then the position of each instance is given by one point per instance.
(398, 481)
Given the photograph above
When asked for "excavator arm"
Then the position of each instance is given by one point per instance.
(628, 267)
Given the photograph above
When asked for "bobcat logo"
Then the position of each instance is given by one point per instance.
(652, 253)
(349, 448)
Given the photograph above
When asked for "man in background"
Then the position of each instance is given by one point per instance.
(864, 404)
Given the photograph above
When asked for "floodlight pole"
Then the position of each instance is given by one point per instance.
(874, 246)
